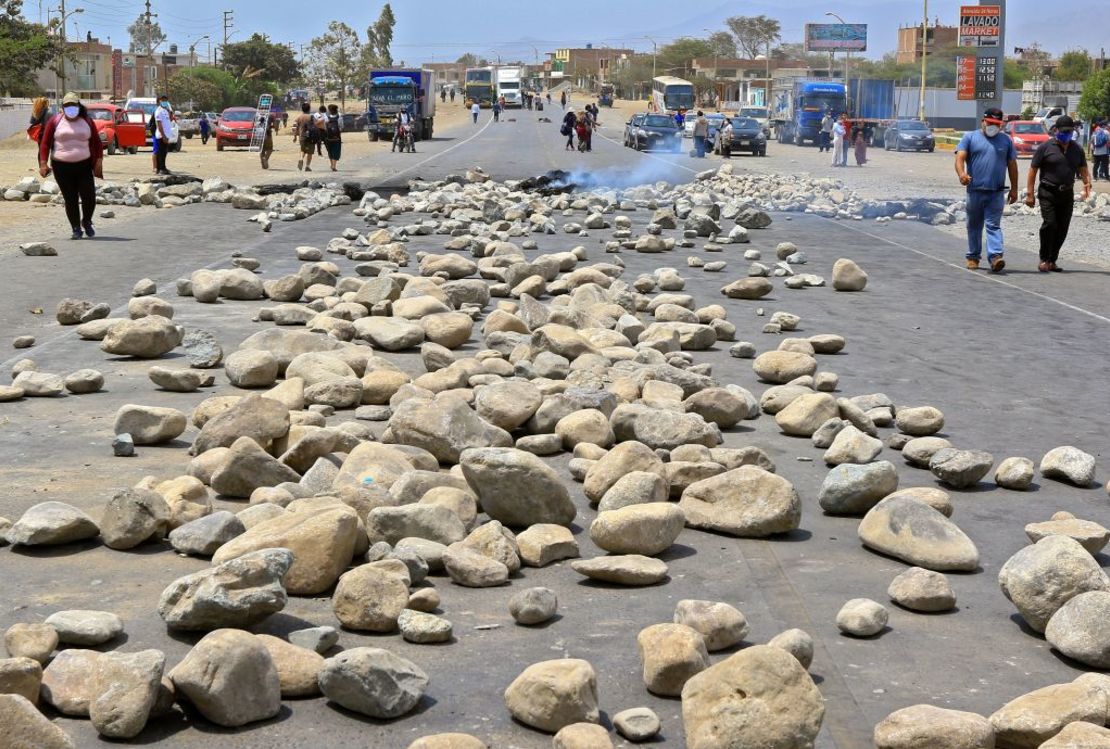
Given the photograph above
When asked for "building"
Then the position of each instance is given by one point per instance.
(740, 80)
(1042, 92)
(95, 71)
(937, 38)
(451, 74)
(584, 67)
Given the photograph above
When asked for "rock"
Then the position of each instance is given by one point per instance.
(10, 393)
(1080, 629)
(371, 596)
(746, 501)
(637, 724)
(419, 627)
(444, 427)
(806, 414)
(753, 287)
(637, 487)
(661, 428)
(133, 516)
(390, 333)
(516, 487)
(922, 726)
(1079, 735)
(850, 445)
(246, 467)
(230, 678)
(1065, 463)
(919, 589)
(174, 380)
(1041, 578)
(918, 452)
(847, 276)
(623, 459)
(202, 350)
(588, 425)
(448, 741)
(626, 569)
(796, 642)
(719, 406)
(1014, 473)
(81, 627)
(319, 639)
(237, 593)
(468, 567)
(84, 381)
(33, 640)
(753, 218)
(544, 543)
(146, 338)
(124, 690)
(852, 489)
(297, 666)
(507, 405)
(251, 368)
(254, 416)
(38, 384)
(910, 530)
(761, 696)
(206, 534)
(533, 606)
(38, 249)
(150, 425)
(781, 367)
(373, 682)
(582, 736)
(21, 676)
(551, 695)
(26, 728)
(432, 522)
(862, 617)
(321, 537)
(646, 529)
(921, 421)
(1028, 721)
(1091, 536)
(721, 625)
(187, 498)
(49, 523)
(960, 468)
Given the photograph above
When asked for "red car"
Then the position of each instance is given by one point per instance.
(235, 128)
(117, 131)
(1027, 135)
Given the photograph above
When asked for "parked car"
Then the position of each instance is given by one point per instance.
(912, 135)
(759, 114)
(116, 131)
(747, 135)
(645, 132)
(716, 122)
(235, 127)
(1027, 135)
(348, 123)
(362, 121)
(187, 125)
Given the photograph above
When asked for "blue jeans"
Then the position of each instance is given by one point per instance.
(984, 208)
(699, 146)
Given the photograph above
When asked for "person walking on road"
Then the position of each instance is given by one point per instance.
(1057, 160)
(1100, 150)
(701, 132)
(563, 99)
(443, 95)
(984, 158)
(838, 134)
(304, 134)
(569, 123)
(163, 132)
(824, 138)
(270, 123)
(203, 124)
(318, 121)
(452, 96)
(475, 110)
(497, 111)
(725, 137)
(70, 144)
(861, 146)
(333, 136)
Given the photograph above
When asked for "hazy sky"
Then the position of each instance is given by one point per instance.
(441, 30)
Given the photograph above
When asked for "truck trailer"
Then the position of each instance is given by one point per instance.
(798, 105)
(395, 90)
(508, 86)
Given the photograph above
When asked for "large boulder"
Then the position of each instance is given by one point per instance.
(1041, 578)
(124, 689)
(146, 338)
(746, 501)
(237, 593)
(247, 466)
(516, 487)
(781, 367)
(1026, 722)
(853, 489)
(960, 468)
(508, 404)
(133, 516)
(647, 529)
(230, 678)
(914, 532)
(1069, 464)
(806, 413)
(372, 464)
(373, 682)
(660, 428)
(759, 697)
(371, 596)
(262, 419)
(49, 523)
(625, 457)
(149, 425)
(670, 654)
(926, 726)
(1080, 629)
(26, 728)
(445, 427)
(553, 694)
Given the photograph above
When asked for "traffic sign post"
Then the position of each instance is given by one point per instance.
(983, 28)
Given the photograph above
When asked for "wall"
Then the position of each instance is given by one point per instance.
(943, 110)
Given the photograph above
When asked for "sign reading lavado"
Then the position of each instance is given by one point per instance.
(980, 25)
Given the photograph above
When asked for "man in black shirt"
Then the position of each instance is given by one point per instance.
(1058, 160)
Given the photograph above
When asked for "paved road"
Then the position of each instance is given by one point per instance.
(1014, 361)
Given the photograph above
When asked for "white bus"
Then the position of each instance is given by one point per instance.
(670, 94)
(508, 86)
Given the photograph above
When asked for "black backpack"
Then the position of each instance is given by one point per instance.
(331, 128)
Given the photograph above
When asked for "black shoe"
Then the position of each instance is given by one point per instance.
(76, 233)
(89, 229)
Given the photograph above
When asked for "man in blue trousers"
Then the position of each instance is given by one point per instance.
(984, 158)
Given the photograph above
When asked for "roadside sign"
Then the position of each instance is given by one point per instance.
(986, 76)
(836, 37)
(980, 25)
(965, 78)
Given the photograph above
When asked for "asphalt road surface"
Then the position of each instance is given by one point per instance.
(1016, 362)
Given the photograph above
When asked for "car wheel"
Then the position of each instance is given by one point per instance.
(112, 147)
(931, 149)
(133, 150)
(219, 145)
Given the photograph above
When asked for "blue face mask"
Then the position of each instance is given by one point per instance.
(1064, 136)
(71, 111)
(164, 104)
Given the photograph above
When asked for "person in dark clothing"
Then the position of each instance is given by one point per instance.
(40, 112)
(203, 124)
(569, 122)
(71, 145)
(1057, 160)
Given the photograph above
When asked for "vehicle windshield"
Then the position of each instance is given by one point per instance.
(391, 94)
(912, 125)
(240, 116)
(509, 84)
(753, 112)
(100, 114)
(745, 123)
(659, 120)
(679, 97)
(148, 108)
(715, 118)
(1030, 127)
(823, 103)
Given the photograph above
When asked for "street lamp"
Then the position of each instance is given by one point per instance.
(193, 50)
(60, 73)
(924, 60)
(654, 52)
(847, 59)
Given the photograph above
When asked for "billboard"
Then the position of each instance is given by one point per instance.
(835, 37)
(980, 25)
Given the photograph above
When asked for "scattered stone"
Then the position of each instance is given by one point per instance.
(533, 606)
(852, 489)
(746, 501)
(34, 640)
(1080, 629)
(236, 593)
(419, 627)
(921, 421)
(373, 682)
(124, 691)
(26, 728)
(623, 569)
(133, 516)
(372, 596)
(206, 534)
(516, 487)
(150, 425)
(847, 276)
(919, 589)
(910, 530)
(1015, 473)
(81, 627)
(960, 468)
(720, 624)
(230, 677)
(796, 642)
(1091, 536)
(544, 543)
(582, 736)
(551, 695)
(1041, 578)
(50, 523)
(1028, 721)
(862, 617)
(637, 724)
(921, 726)
(319, 639)
(646, 529)
(1067, 463)
(297, 666)
(38, 384)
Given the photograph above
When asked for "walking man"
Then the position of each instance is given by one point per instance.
(304, 134)
(1100, 150)
(496, 111)
(838, 132)
(475, 110)
(163, 127)
(563, 99)
(825, 137)
(203, 124)
(984, 158)
(701, 131)
(1057, 160)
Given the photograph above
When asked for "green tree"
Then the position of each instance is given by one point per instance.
(24, 48)
(470, 60)
(1094, 102)
(754, 33)
(723, 44)
(341, 53)
(274, 61)
(1075, 65)
(674, 58)
(188, 84)
(145, 37)
(633, 80)
(379, 35)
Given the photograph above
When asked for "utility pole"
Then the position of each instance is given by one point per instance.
(229, 18)
(924, 60)
(149, 27)
(60, 73)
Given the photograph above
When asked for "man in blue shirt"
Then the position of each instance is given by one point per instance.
(983, 160)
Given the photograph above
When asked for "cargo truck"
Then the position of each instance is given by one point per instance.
(396, 90)
(798, 104)
(508, 86)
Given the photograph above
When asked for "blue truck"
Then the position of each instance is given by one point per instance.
(396, 90)
(798, 104)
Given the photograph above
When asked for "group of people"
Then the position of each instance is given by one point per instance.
(580, 124)
(986, 157)
(314, 132)
(839, 135)
(701, 135)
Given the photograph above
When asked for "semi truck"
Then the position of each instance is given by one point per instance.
(478, 86)
(798, 104)
(605, 95)
(395, 90)
(508, 86)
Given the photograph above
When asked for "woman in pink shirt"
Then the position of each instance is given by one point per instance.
(73, 147)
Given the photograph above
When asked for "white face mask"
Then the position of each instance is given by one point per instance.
(991, 130)
(71, 110)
